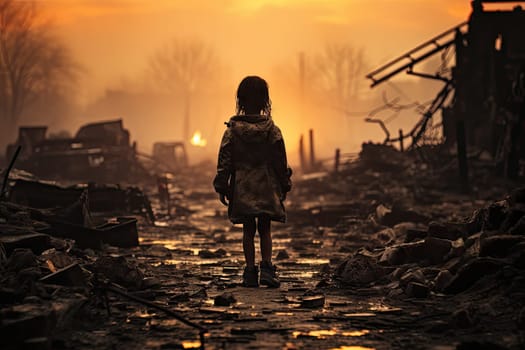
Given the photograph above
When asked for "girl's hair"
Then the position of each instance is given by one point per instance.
(252, 95)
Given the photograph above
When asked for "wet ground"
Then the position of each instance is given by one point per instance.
(197, 255)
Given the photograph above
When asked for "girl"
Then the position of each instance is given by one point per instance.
(253, 176)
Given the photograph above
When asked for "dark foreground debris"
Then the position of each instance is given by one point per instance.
(368, 259)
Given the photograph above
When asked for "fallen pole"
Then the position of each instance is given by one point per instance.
(8, 170)
(112, 289)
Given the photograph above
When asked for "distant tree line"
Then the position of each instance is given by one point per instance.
(33, 62)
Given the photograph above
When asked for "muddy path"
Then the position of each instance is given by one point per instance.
(194, 261)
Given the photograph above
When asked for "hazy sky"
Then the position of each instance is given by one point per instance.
(113, 39)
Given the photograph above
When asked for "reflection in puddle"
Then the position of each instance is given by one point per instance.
(168, 243)
(161, 224)
(185, 262)
(360, 314)
(312, 261)
(356, 333)
(191, 344)
(383, 308)
(141, 314)
(298, 275)
(324, 333)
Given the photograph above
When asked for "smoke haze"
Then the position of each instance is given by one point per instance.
(115, 40)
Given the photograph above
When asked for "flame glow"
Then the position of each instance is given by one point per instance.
(197, 139)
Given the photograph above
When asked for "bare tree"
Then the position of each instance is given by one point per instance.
(184, 67)
(32, 60)
(340, 72)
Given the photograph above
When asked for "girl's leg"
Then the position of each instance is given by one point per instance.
(248, 229)
(268, 275)
(265, 234)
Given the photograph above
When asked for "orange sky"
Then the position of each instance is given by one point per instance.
(113, 39)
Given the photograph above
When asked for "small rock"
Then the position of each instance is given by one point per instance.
(21, 258)
(393, 256)
(499, 246)
(495, 215)
(457, 249)
(58, 259)
(446, 230)
(415, 235)
(158, 251)
(396, 215)
(413, 275)
(225, 299)
(398, 273)
(404, 253)
(359, 269)
(471, 272)
(462, 318)
(385, 236)
(208, 254)
(314, 301)
(200, 294)
(417, 290)
(436, 249)
(119, 270)
(442, 280)
(402, 229)
(151, 282)
(282, 255)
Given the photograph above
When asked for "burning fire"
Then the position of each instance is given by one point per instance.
(197, 139)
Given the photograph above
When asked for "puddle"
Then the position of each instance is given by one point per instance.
(299, 275)
(141, 314)
(312, 261)
(325, 333)
(356, 333)
(167, 243)
(384, 308)
(161, 224)
(191, 344)
(186, 262)
(360, 314)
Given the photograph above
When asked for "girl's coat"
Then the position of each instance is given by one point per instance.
(252, 170)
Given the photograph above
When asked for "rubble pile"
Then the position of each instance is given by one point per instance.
(367, 253)
(51, 260)
(445, 257)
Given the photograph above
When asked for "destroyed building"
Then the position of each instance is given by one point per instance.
(100, 151)
(484, 89)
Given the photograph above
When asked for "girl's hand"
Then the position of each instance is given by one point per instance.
(223, 200)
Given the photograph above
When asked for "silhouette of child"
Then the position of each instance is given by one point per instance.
(253, 176)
